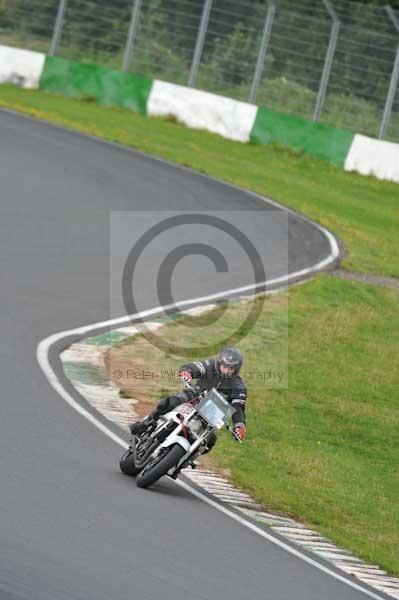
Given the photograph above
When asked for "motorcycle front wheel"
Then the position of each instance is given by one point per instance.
(150, 475)
(127, 465)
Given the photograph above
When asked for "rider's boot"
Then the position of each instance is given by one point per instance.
(140, 426)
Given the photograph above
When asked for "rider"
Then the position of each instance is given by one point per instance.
(222, 373)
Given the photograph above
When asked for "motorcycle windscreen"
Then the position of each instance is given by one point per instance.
(215, 409)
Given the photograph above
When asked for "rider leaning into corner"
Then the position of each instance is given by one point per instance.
(222, 373)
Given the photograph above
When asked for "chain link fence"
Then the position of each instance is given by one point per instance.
(336, 61)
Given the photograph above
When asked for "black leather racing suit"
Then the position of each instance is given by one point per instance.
(206, 376)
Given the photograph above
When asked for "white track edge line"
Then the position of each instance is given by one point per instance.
(44, 362)
(44, 346)
(42, 357)
(284, 280)
(276, 541)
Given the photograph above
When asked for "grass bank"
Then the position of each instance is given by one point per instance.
(363, 211)
(325, 449)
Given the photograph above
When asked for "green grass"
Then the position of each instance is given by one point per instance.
(285, 95)
(281, 93)
(325, 449)
(362, 211)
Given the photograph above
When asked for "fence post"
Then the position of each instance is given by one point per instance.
(134, 21)
(199, 45)
(267, 29)
(58, 28)
(328, 60)
(394, 80)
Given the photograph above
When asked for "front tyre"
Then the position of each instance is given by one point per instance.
(149, 476)
(127, 465)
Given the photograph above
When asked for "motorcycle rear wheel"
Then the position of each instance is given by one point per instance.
(161, 467)
(127, 465)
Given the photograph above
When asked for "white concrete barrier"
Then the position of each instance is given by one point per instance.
(197, 109)
(369, 156)
(21, 67)
(202, 110)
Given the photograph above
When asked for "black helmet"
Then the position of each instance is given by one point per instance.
(230, 357)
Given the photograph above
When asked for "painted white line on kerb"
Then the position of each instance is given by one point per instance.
(43, 350)
(43, 359)
(45, 345)
(276, 541)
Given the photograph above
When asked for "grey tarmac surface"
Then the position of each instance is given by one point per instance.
(71, 526)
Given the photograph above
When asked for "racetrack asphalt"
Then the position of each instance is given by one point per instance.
(71, 525)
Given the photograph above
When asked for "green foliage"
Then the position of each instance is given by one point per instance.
(230, 61)
(96, 31)
(93, 30)
(156, 50)
(6, 15)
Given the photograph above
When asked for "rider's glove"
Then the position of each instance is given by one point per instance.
(240, 431)
(194, 401)
(185, 376)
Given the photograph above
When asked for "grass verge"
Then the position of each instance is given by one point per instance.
(325, 449)
(363, 211)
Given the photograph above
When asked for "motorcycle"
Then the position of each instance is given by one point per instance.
(177, 438)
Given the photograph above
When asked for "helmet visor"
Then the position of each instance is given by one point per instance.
(226, 369)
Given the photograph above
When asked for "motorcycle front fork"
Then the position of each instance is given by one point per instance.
(188, 463)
